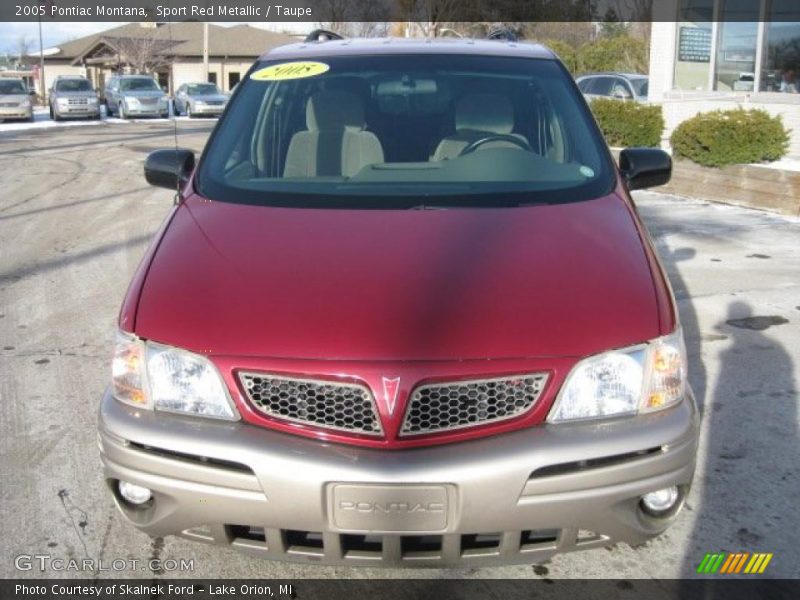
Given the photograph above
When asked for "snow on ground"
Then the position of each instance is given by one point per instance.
(42, 120)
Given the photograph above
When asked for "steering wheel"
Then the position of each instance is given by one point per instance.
(496, 137)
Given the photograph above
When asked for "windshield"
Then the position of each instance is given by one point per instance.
(640, 85)
(130, 85)
(377, 130)
(12, 86)
(73, 85)
(203, 89)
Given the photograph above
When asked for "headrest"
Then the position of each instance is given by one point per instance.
(334, 110)
(485, 112)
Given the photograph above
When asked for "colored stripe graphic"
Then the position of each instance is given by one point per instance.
(726, 566)
(734, 563)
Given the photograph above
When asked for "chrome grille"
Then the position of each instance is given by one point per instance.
(148, 100)
(78, 101)
(330, 404)
(446, 406)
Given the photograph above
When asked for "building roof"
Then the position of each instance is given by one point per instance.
(365, 46)
(182, 39)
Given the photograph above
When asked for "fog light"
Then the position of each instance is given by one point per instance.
(135, 494)
(660, 502)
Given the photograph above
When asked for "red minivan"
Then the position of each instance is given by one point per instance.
(403, 313)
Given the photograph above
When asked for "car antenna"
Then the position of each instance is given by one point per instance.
(171, 108)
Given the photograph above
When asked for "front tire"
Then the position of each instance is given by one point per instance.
(121, 111)
(189, 114)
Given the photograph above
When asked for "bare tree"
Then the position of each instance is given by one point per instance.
(144, 54)
(352, 18)
(23, 47)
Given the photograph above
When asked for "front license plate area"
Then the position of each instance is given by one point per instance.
(389, 508)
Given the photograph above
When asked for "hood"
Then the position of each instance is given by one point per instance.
(558, 280)
(14, 98)
(210, 97)
(89, 94)
(143, 94)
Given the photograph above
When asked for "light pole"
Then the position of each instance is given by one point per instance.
(41, 63)
(205, 50)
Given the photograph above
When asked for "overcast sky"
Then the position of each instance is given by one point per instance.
(54, 33)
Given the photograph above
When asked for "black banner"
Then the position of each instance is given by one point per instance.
(732, 588)
(429, 11)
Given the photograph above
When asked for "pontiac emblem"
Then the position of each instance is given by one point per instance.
(390, 388)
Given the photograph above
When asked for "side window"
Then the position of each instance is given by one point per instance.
(621, 89)
(601, 86)
(585, 84)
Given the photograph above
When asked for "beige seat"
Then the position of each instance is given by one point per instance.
(478, 116)
(336, 143)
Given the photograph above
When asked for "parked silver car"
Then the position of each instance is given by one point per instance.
(15, 99)
(135, 96)
(73, 97)
(195, 99)
(622, 86)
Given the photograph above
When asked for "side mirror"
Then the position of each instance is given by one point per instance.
(645, 167)
(169, 168)
(31, 92)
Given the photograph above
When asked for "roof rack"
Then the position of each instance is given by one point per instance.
(322, 35)
(502, 33)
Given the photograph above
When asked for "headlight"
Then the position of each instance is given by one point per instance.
(61, 101)
(131, 100)
(25, 103)
(625, 382)
(151, 375)
(93, 100)
(200, 102)
(163, 100)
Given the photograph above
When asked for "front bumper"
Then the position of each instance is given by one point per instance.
(76, 111)
(514, 498)
(207, 110)
(16, 112)
(146, 110)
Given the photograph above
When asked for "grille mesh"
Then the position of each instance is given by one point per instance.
(446, 406)
(333, 405)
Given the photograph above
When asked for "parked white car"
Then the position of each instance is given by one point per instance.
(622, 86)
(15, 99)
(196, 99)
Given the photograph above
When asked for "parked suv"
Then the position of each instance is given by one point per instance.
(404, 312)
(622, 86)
(135, 96)
(15, 99)
(200, 99)
(71, 97)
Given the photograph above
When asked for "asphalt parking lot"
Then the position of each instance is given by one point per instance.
(75, 217)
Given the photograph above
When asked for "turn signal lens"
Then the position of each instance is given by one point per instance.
(667, 381)
(127, 381)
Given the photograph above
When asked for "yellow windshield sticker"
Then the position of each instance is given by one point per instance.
(290, 70)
